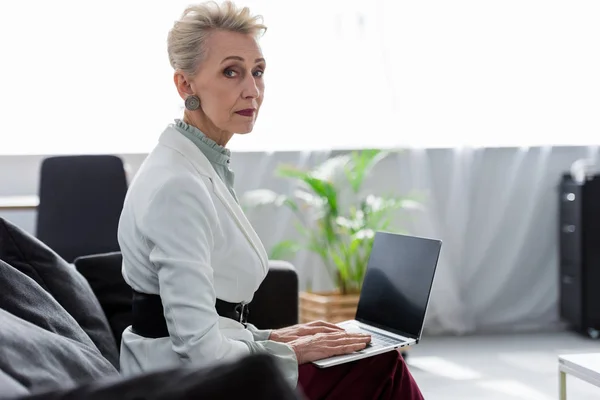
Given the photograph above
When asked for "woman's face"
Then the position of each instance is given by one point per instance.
(229, 81)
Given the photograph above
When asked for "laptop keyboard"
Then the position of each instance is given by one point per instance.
(379, 340)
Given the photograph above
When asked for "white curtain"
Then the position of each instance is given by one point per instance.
(496, 211)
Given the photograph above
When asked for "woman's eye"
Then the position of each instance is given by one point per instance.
(258, 73)
(229, 73)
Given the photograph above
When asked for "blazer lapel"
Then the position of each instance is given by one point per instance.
(172, 138)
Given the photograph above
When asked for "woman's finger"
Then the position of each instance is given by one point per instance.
(346, 349)
(346, 340)
(344, 334)
(350, 340)
(330, 335)
(312, 330)
(325, 323)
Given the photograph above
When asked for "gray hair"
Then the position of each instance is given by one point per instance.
(185, 43)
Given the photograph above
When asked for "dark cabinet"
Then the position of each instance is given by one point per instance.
(579, 254)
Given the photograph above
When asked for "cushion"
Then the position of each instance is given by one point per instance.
(10, 388)
(103, 273)
(24, 298)
(281, 283)
(61, 280)
(253, 377)
(41, 360)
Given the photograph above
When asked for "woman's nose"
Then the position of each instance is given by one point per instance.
(251, 89)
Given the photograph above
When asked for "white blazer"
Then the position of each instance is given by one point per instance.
(183, 236)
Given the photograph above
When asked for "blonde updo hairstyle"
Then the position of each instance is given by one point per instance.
(186, 40)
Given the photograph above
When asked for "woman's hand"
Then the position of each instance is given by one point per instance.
(323, 345)
(286, 335)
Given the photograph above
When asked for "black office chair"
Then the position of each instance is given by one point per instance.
(81, 198)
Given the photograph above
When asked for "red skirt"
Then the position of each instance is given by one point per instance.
(382, 377)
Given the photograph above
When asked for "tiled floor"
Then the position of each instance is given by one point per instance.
(507, 367)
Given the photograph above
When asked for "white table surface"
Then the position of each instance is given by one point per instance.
(583, 366)
(18, 202)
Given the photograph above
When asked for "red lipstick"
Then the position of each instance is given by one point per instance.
(248, 112)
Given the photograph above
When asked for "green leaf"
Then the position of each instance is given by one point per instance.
(287, 171)
(322, 188)
(290, 203)
(284, 249)
(355, 245)
(341, 265)
(361, 165)
(326, 190)
(303, 230)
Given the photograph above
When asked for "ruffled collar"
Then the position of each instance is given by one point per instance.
(211, 149)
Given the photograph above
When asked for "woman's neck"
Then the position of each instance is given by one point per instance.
(200, 120)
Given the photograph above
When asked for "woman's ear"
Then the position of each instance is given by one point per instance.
(183, 85)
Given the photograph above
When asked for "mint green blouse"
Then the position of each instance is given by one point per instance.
(219, 156)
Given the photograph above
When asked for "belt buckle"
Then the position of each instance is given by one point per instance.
(242, 308)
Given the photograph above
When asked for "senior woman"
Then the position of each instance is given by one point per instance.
(190, 255)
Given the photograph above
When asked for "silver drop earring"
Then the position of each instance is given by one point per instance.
(192, 102)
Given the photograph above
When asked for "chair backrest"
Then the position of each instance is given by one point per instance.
(81, 198)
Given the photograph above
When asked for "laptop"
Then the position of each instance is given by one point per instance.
(394, 296)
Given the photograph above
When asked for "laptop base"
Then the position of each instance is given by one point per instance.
(377, 346)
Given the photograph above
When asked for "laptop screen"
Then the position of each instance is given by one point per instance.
(398, 283)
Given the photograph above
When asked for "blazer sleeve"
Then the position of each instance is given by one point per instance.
(282, 352)
(258, 334)
(178, 226)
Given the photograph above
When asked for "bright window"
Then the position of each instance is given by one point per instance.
(93, 77)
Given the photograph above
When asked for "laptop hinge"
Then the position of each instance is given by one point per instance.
(387, 329)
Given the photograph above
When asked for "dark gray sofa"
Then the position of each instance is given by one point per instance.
(60, 327)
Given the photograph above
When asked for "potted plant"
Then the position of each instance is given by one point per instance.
(337, 221)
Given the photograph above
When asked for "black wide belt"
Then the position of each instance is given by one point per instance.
(149, 318)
